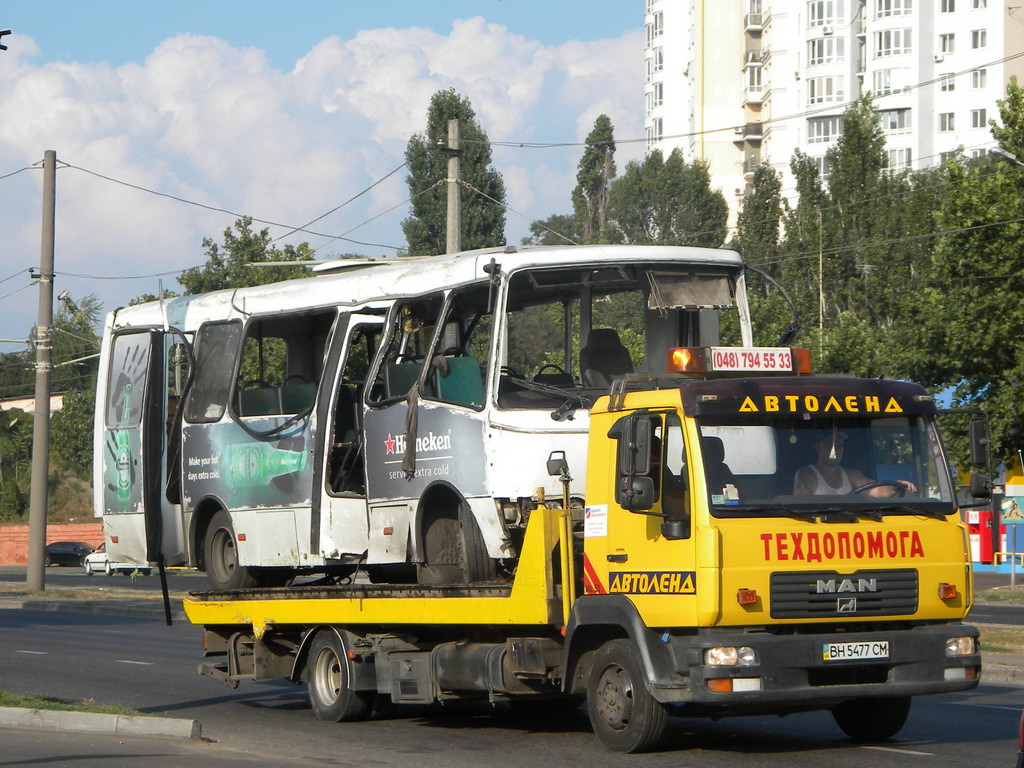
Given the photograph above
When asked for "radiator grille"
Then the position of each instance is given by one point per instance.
(831, 594)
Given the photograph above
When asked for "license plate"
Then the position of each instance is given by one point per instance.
(878, 649)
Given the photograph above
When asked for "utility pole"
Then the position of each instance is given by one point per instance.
(453, 152)
(34, 579)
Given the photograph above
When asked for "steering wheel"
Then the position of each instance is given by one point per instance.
(506, 371)
(557, 369)
(901, 490)
(454, 352)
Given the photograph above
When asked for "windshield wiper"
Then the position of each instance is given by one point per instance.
(927, 511)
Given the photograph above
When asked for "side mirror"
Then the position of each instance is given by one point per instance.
(634, 437)
(674, 529)
(557, 465)
(979, 443)
(636, 493)
(981, 486)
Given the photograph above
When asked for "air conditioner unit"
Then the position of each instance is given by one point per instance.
(938, 57)
(827, 29)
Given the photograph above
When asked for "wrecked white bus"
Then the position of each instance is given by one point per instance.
(393, 417)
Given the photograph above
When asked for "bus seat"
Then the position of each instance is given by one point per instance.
(399, 378)
(463, 384)
(603, 358)
(346, 423)
(258, 402)
(562, 380)
(297, 397)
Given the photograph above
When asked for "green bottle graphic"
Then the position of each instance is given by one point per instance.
(123, 454)
(254, 465)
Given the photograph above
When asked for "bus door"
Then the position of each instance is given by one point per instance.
(141, 523)
(340, 505)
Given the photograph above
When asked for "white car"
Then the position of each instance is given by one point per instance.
(98, 562)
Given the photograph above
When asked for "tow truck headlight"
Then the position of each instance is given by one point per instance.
(729, 656)
(960, 646)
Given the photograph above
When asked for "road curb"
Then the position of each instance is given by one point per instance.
(145, 610)
(92, 722)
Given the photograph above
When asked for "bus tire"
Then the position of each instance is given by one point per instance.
(453, 550)
(872, 719)
(330, 684)
(221, 550)
(623, 713)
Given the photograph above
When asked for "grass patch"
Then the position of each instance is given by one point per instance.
(1002, 640)
(1002, 595)
(8, 699)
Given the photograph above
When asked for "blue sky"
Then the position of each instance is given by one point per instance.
(281, 112)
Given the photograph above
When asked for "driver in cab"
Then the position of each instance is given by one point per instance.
(828, 476)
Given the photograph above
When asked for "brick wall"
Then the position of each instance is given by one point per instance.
(14, 539)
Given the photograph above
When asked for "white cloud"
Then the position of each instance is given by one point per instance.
(209, 122)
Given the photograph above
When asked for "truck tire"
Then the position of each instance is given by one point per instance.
(221, 550)
(624, 715)
(453, 550)
(330, 686)
(872, 719)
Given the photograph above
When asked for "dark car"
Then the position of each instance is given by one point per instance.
(67, 552)
(1020, 755)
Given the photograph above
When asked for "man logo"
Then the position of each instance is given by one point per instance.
(846, 605)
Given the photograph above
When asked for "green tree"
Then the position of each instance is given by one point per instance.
(668, 202)
(557, 229)
(71, 431)
(594, 177)
(15, 464)
(483, 191)
(230, 265)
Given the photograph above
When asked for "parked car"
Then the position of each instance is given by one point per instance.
(1020, 755)
(100, 562)
(66, 553)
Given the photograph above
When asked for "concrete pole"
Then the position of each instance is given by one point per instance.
(34, 580)
(453, 241)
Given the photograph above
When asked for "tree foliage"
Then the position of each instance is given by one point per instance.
(483, 215)
(230, 264)
(594, 176)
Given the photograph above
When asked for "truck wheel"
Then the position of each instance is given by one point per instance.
(624, 715)
(872, 719)
(222, 568)
(330, 686)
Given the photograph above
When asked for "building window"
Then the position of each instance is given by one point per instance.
(658, 94)
(945, 157)
(979, 118)
(979, 4)
(655, 62)
(822, 130)
(657, 26)
(823, 165)
(650, 6)
(948, 6)
(979, 38)
(885, 8)
(825, 50)
(947, 43)
(979, 78)
(976, 153)
(654, 132)
(892, 42)
(899, 159)
(821, 12)
(753, 78)
(894, 121)
(946, 123)
(947, 82)
(821, 90)
(882, 79)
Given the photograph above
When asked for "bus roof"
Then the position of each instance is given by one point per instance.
(356, 283)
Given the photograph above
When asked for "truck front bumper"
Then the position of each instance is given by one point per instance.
(816, 670)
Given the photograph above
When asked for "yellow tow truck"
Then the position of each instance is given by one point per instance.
(754, 540)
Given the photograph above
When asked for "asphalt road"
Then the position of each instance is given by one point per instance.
(145, 665)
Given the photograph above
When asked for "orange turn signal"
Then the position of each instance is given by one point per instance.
(746, 596)
(720, 684)
(947, 591)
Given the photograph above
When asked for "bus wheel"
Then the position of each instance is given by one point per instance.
(222, 568)
(624, 715)
(454, 550)
(872, 719)
(330, 683)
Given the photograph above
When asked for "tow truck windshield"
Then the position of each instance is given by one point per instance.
(826, 468)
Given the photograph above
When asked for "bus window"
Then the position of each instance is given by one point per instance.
(281, 362)
(215, 351)
(411, 328)
(459, 359)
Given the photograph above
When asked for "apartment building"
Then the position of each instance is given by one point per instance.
(740, 82)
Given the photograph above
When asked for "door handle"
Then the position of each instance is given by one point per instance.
(618, 558)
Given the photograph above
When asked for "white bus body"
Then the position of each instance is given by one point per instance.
(392, 416)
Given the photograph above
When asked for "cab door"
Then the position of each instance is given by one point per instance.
(141, 524)
(650, 552)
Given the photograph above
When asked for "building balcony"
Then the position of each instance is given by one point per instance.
(753, 57)
(749, 131)
(752, 95)
(754, 22)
